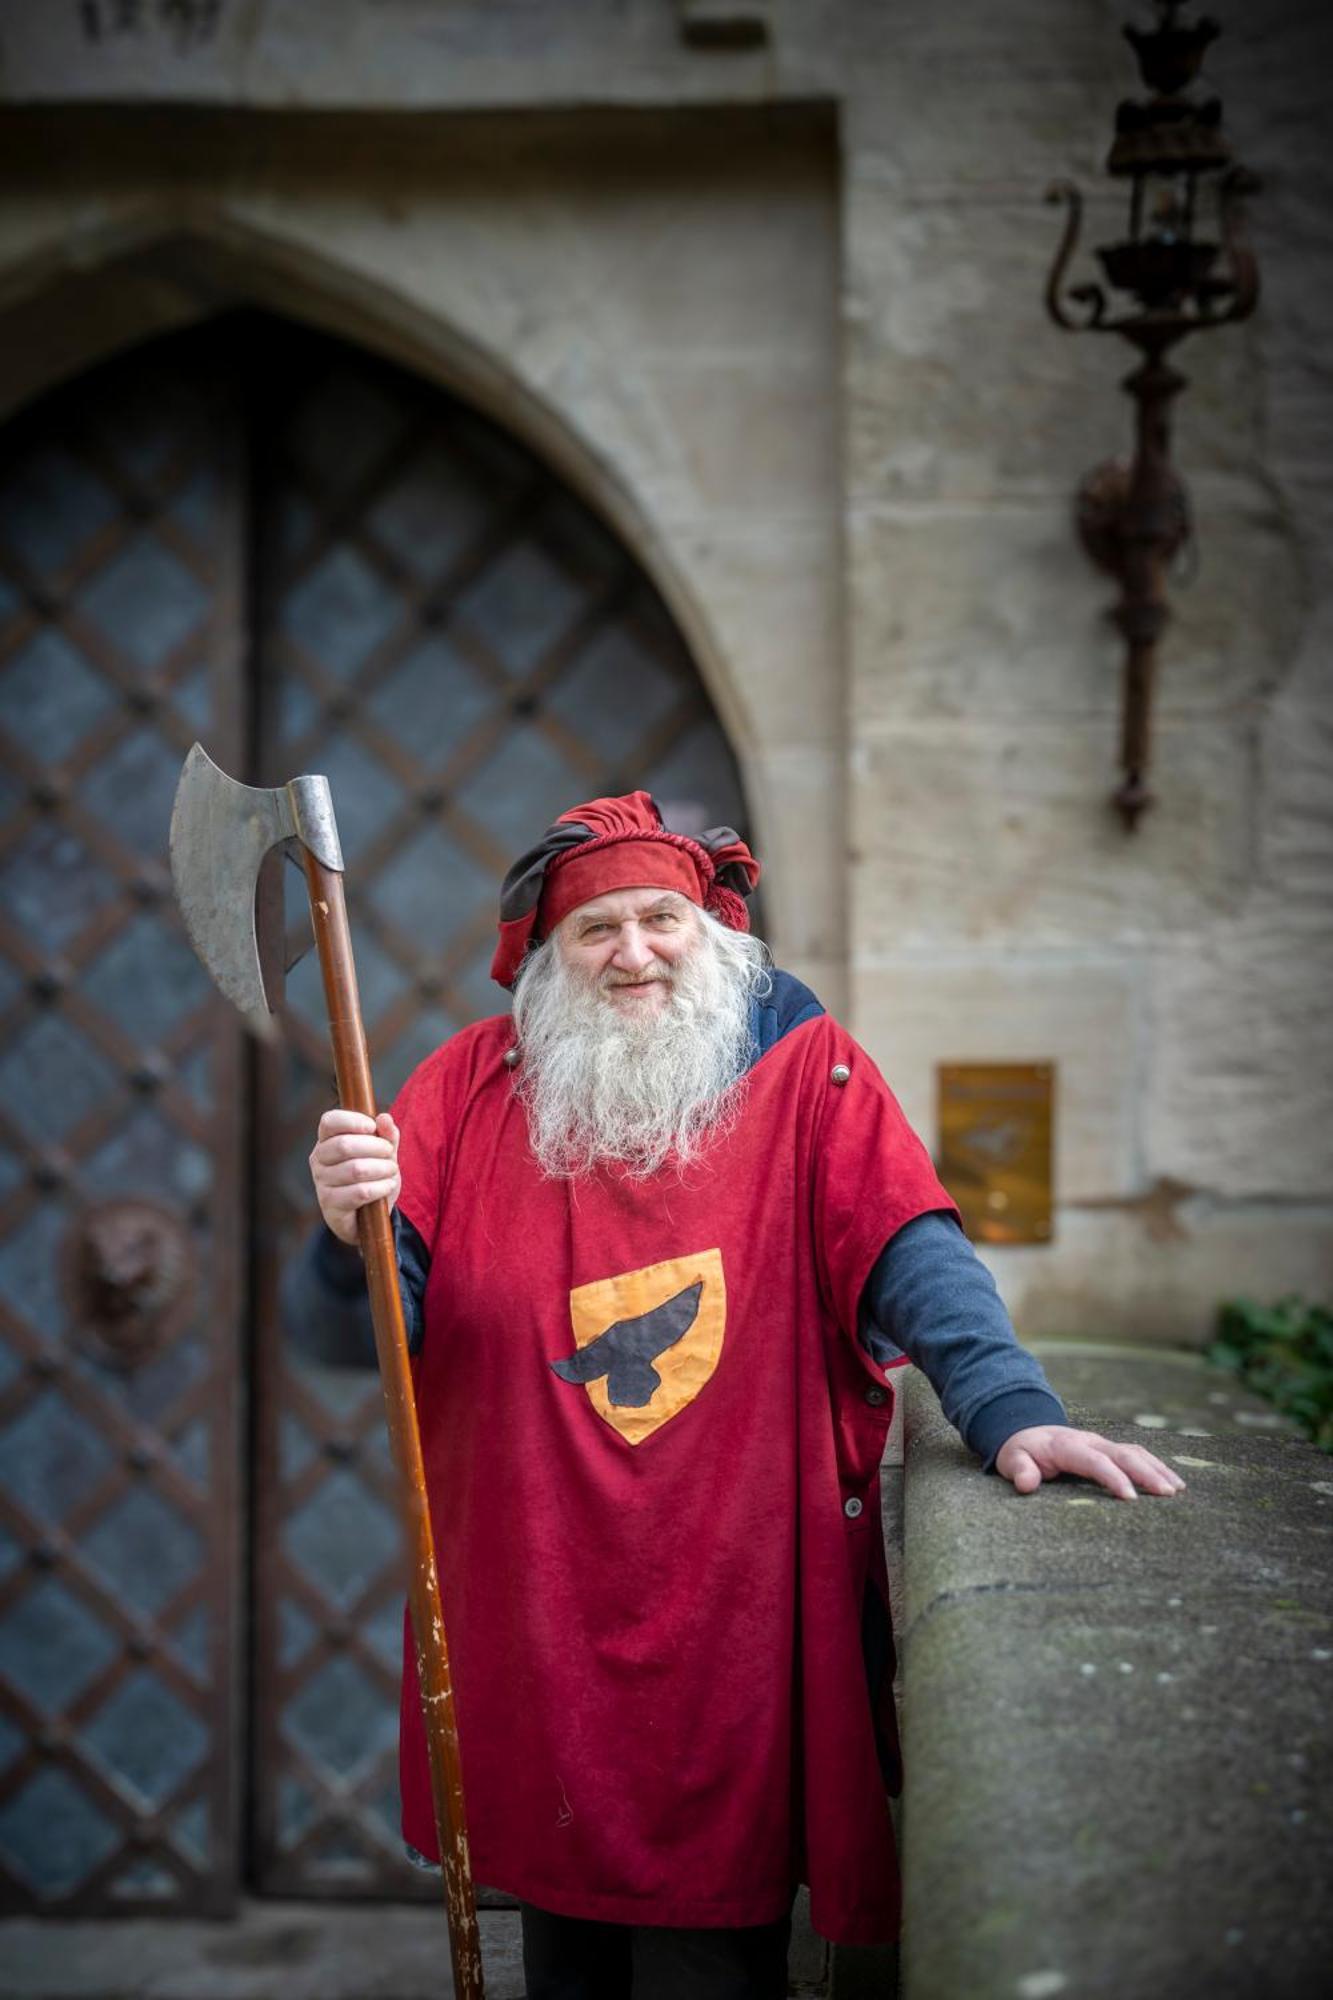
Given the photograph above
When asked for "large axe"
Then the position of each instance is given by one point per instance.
(221, 834)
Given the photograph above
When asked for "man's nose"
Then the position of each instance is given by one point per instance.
(632, 953)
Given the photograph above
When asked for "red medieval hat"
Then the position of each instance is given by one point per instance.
(617, 844)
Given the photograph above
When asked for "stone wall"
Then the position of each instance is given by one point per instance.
(1177, 978)
(1131, 1698)
(778, 311)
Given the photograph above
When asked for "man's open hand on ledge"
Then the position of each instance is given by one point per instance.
(1047, 1450)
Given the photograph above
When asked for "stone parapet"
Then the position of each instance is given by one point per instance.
(1116, 1716)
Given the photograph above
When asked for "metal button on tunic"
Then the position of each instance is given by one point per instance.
(853, 1507)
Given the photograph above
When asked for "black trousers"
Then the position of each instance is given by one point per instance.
(565, 1958)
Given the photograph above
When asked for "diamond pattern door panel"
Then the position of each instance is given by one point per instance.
(119, 1166)
(465, 651)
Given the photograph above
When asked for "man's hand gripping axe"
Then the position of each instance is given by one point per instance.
(220, 834)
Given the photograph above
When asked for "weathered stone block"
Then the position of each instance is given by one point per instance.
(1239, 1086)
(1296, 828)
(978, 613)
(960, 387)
(998, 612)
(987, 830)
(770, 589)
(926, 124)
(1154, 1269)
(801, 845)
(755, 437)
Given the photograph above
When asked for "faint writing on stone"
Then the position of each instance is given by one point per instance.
(187, 24)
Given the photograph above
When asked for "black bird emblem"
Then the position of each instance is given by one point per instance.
(625, 1353)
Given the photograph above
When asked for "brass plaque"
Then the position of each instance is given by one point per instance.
(996, 1123)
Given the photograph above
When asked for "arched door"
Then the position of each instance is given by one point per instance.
(311, 560)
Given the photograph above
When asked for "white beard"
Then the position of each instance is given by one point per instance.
(601, 1085)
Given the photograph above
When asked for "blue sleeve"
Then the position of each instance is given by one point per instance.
(325, 1306)
(930, 1297)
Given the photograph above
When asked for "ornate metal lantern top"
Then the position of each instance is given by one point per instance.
(1166, 145)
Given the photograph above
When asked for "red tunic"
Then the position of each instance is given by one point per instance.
(653, 1563)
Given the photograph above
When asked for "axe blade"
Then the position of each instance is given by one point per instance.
(221, 832)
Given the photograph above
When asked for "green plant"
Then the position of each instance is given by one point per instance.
(1284, 1352)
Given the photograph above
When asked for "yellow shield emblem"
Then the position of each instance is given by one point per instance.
(647, 1340)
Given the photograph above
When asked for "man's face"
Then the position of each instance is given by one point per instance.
(627, 945)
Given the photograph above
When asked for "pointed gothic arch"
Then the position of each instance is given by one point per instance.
(131, 280)
(127, 521)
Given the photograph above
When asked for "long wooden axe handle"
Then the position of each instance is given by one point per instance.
(221, 832)
(351, 1062)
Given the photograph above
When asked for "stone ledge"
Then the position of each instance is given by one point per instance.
(1116, 1716)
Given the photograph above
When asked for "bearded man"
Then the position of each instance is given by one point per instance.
(663, 1231)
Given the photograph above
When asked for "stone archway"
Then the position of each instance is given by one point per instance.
(266, 537)
(132, 282)
(648, 300)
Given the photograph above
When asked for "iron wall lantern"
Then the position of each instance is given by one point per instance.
(1133, 516)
